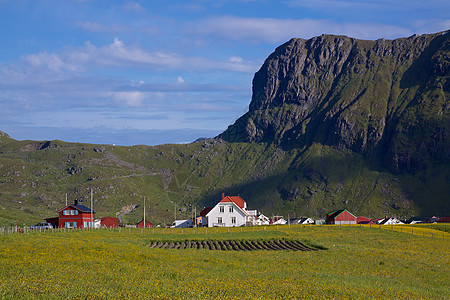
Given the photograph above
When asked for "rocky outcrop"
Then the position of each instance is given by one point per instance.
(4, 134)
(386, 98)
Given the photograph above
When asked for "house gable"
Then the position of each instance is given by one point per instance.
(237, 200)
(341, 216)
(226, 213)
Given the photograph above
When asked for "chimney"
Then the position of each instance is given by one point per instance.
(75, 202)
(223, 195)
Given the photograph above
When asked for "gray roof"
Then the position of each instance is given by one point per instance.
(80, 207)
(83, 208)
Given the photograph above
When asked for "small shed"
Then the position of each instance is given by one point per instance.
(147, 224)
(319, 222)
(341, 216)
(109, 222)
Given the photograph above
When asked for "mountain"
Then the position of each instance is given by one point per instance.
(382, 99)
(334, 122)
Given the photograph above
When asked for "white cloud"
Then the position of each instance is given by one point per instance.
(98, 27)
(369, 6)
(236, 59)
(180, 79)
(277, 30)
(132, 98)
(118, 54)
(133, 6)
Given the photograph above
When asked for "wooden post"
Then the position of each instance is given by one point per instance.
(92, 209)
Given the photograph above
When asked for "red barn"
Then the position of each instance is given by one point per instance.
(76, 216)
(109, 222)
(341, 216)
(147, 224)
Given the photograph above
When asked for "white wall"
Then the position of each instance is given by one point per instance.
(226, 215)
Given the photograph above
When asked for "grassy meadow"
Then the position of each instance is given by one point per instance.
(356, 262)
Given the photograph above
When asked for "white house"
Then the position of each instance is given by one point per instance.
(263, 220)
(229, 212)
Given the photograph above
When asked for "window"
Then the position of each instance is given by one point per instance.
(222, 209)
(70, 212)
(70, 224)
(233, 220)
(230, 209)
(219, 220)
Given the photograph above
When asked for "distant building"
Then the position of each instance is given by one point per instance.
(229, 212)
(181, 224)
(302, 221)
(390, 221)
(363, 220)
(262, 220)
(202, 219)
(76, 216)
(147, 224)
(432, 219)
(280, 221)
(109, 222)
(339, 217)
(444, 220)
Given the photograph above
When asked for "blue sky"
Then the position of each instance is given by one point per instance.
(154, 72)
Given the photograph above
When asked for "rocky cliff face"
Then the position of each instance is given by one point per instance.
(387, 99)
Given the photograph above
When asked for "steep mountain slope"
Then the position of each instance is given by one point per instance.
(334, 122)
(383, 99)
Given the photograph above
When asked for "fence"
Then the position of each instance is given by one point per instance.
(408, 229)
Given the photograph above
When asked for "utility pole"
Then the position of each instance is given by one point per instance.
(66, 199)
(92, 209)
(144, 211)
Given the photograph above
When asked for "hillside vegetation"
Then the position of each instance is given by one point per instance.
(333, 123)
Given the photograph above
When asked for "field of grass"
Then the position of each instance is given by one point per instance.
(355, 262)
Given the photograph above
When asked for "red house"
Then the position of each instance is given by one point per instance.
(341, 216)
(147, 224)
(76, 216)
(109, 222)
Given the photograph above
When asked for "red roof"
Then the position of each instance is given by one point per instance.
(206, 210)
(362, 220)
(236, 200)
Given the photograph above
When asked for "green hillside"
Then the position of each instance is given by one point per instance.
(36, 176)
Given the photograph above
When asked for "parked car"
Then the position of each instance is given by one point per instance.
(42, 225)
